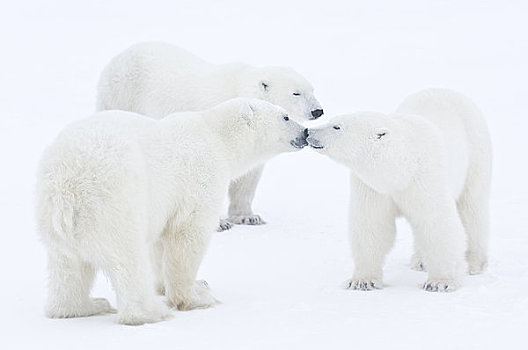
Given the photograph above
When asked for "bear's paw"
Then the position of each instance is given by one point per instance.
(476, 265)
(150, 312)
(201, 298)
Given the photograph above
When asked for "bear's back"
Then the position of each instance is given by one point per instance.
(447, 111)
(153, 79)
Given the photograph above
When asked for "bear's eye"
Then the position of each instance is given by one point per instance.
(286, 118)
(337, 127)
(296, 94)
(380, 135)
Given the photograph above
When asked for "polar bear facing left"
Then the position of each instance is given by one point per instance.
(117, 187)
(429, 162)
(156, 79)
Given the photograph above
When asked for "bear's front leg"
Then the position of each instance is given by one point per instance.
(372, 230)
(183, 248)
(440, 236)
(241, 194)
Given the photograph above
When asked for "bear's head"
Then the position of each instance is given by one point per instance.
(288, 89)
(373, 145)
(260, 128)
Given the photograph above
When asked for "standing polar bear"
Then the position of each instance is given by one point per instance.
(430, 162)
(117, 187)
(157, 79)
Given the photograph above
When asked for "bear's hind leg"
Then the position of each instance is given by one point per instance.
(241, 194)
(70, 282)
(439, 235)
(128, 264)
(473, 208)
(156, 254)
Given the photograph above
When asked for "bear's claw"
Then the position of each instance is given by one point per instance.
(246, 220)
(442, 286)
(363, 284)
(224, 225)
(417, 263)
(418, 266)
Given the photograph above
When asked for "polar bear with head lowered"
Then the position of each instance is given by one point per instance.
(117, 187)
(157, 79)
(430, 162)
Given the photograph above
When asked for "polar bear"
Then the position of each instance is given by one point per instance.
(157, 79)
(429, 162)
(117, 187)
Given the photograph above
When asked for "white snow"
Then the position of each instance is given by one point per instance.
(280, 284)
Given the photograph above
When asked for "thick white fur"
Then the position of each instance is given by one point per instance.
(157, 79)
(117, 191)
(430, 161)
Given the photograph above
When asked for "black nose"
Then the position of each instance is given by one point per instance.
(306, 132)
(316, 113)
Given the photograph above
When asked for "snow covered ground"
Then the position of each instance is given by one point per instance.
(280, 284)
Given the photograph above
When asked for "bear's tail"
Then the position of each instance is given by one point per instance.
(55, 206)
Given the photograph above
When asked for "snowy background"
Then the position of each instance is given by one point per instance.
(281, 284)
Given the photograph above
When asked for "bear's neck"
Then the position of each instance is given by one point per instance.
(237, 80)
(241, 149)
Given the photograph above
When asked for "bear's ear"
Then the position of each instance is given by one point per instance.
(264, 85)
(380, 134)
(247, 111)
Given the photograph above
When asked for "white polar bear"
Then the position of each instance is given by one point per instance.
(157, 79)
(117, 187)
(430, 162)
